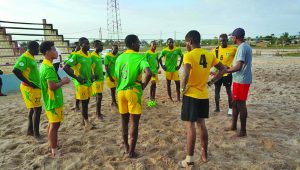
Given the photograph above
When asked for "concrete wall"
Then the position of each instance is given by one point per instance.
(12, 84)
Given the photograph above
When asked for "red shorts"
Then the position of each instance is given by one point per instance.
(240, 91)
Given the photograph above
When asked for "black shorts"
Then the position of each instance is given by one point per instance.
(193, 109)
(226, 81)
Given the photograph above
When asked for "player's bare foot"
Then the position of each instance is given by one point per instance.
(230, 129)
(87, 125)
(240, 134)
(39, 139)
(132, 155)
(100, 116)
(30, 134)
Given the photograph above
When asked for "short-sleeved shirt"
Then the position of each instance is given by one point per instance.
(28, 66)
(201, 61)
(152, 58)
(244, 54)
(97, 68)
(110, 61)
(129, 69)
(69, 56)
(82, 65)
(52, 98)
(170, 58)
(225, 55)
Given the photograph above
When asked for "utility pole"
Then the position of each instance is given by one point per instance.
(174, 35)
(113, 19)
(100, 34)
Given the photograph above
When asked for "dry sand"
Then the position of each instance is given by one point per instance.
(273, 140)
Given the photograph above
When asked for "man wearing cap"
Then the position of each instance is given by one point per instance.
(242, 78)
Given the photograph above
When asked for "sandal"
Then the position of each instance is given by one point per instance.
(185, 164)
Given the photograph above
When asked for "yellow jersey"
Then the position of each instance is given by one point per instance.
(225, 55)
(201, 62)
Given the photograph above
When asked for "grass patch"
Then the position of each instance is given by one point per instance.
(297, 54)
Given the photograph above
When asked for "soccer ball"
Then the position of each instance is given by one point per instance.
(151, 103)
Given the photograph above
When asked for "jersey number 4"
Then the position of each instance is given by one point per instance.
(203, 61)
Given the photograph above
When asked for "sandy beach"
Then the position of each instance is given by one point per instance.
(273, 140)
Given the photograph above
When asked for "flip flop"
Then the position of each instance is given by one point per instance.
(185, 164)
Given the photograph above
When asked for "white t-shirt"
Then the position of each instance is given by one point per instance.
(58, 58)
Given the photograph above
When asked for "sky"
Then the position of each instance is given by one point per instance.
(155, 19)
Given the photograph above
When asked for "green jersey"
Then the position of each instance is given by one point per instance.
(110, 61)
(69, 56)
(82, 65)
(129, 69)
(97, 66)
(152, 59)
(52, 99)
(28, 66)
(171, 58)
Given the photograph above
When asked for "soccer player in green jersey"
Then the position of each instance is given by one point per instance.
(152, 58)
(109, 62)
(170, 55)
(52, 94)
(82, 63)
(129, 68)
(97, 87)
(27, 71)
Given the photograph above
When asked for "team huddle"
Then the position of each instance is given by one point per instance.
(127, 74)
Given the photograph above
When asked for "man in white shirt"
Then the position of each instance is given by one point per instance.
(56, 62)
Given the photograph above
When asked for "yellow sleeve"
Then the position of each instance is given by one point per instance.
(187, 59)
(213, 51)
(215, 61)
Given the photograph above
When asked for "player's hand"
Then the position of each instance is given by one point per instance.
(183, 90)
(210, 83)
(1, 72)
(164, 67)
(177, 67)
(96, 77)
(33, 85)
(65, 80)
(111, 79)
(80, 80)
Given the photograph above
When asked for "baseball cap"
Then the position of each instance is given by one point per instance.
(238, 32)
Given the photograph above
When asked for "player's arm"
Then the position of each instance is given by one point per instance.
(240, 61)
(20, 76)
(186, 76)
(181, 59)
(67, 68)
(161, 63)
(108, 73)
(157, 63)
(53, 86)
(222, 70)
(147, 77)
(238, 66)
(106, 62)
